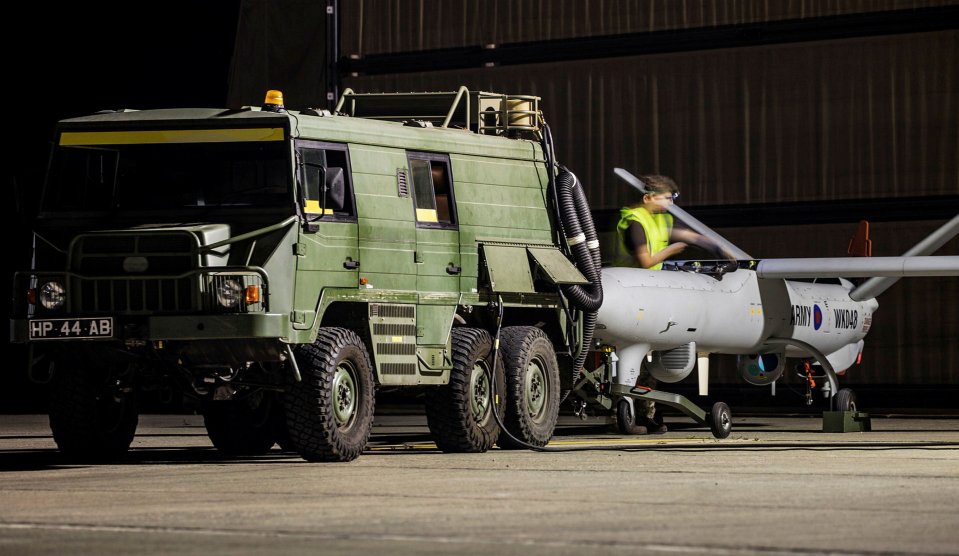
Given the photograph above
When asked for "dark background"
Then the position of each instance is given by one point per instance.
(72, 59)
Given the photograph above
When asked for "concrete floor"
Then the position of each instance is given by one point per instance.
(776, 486)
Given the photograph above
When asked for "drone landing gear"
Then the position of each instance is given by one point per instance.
(846, 417)
(719, 419)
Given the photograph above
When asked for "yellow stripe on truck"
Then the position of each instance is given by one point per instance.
(79, 138)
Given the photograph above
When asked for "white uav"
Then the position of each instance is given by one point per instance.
(667, 320)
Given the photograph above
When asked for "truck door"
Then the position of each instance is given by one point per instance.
(437, 255)
(328, 251)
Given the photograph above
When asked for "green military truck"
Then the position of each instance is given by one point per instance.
(281, 266)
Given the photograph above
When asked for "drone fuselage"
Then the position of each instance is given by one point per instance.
(735, 312)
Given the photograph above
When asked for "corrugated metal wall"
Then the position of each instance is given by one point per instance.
(279, 45)
(849, 119)
(383, 26)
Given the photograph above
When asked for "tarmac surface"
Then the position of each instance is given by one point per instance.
(777, 485)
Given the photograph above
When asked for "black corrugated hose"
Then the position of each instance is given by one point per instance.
(582, 243)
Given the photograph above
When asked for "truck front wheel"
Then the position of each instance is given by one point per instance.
(93, 414)
(329, 413)
(242, 426)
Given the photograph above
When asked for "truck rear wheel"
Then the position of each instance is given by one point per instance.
(329, 413)
(242, 426)
(460, 414)
(532, 386)
(91, 415)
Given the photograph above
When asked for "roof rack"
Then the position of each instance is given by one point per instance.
(478, 111)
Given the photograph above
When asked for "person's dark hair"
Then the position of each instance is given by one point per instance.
(656, 184)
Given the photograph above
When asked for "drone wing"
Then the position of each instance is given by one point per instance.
(882, 272)
(875, 286)
(891, 268)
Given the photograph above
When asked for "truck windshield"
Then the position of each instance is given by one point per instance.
(169, 175)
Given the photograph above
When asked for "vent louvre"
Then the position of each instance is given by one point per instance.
(392, 311)
(383, 329)
(399, 369)
(395, 349)
(678, 358)
(402, 183)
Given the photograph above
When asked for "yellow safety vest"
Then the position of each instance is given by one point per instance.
(657, 227)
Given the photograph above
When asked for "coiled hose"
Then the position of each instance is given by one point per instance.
(581, 240)
(583, 245)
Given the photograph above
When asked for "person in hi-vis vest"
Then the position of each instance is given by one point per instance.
(646, 231)
(647, 237)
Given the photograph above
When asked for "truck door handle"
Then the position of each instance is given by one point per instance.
(351, 265)
(453, 269)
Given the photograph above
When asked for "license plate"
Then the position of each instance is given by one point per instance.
(55, 329)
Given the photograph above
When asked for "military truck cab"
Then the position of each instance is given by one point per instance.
(280, 266)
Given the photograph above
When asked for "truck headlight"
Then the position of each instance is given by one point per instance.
(236, 292)
(52, 295)
(229, 292)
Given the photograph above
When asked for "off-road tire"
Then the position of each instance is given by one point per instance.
(460, 414)
(242, 426)
(329, 413)
(532, 386)
(90, 418)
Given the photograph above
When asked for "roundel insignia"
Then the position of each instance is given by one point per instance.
(816, 317)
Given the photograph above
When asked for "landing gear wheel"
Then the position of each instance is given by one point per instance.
(329, 413)
(460, 414)
(626, 418)
(91, 415)
(720, 420)
(532, 386)
(845, 400)
(242, 426)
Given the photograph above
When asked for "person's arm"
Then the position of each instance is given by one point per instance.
(693, 238)
(646, 260)
(637, 240)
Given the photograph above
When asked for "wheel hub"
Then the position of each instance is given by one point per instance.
(536, 387)
(479, 394)
(344, 395)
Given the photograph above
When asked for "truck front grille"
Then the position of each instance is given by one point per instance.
(148, 295)
(135, 272)
(151, 253)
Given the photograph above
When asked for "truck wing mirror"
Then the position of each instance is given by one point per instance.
(335, 186)
(324, 186)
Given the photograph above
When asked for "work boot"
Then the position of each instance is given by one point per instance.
(654, 425)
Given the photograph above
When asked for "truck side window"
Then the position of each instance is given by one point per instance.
(432, 190)
(323, 172)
